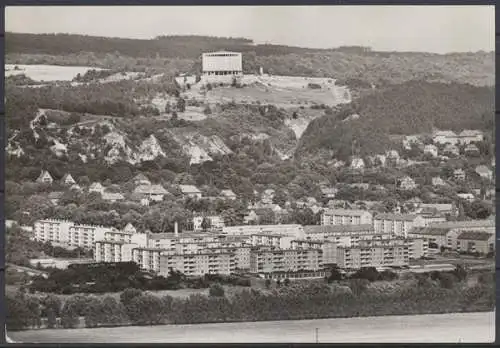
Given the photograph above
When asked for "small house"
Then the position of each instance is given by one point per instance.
(451, 149)
(68, 180)
(470, 136)
(228, 194)
(152, 192)
(484, 172)
(471, 150)
(55, 197)
(357, 163)
(96, 187)
(431, 150)
(141, 179)
(437, 181)
(444, 137)
(459, 174)
(45, 178)
(407, 183)
(190, 191)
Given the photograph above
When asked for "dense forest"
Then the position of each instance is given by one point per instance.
(411, 108)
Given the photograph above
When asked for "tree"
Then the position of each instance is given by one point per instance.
(128, 295)
(181, 105)
(51, 309)
(207, 110)
(205, 224)
(478, 210)
(69, 314)
(358, 286)
(18, 313)
(145, 310)
(168, 108)
(216, 290)
(286, 282)
(268, 283)
(335, 274)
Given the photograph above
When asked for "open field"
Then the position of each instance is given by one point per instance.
(47, 72)
(436, 328)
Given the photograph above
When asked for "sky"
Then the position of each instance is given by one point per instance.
(438, 29)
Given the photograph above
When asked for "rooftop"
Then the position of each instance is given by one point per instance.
(396, 217)
(312, 229)
(350, 212)
(189, 189)
(464, 224)
(475, 235)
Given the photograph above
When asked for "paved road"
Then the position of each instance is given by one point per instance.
(439, 328)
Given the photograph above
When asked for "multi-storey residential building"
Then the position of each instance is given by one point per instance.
(199, 263)
(241, 253)
(397, 224)
(169, 241)
(281, 241)
(383, 254)
(113, 248)
(113, 251)
(295, 231)
(476, 241)
(446, 234)
(147, 258)
(215, 222)
(346, 217)
(333, 231)
(84, 236)
(51, 230)
(431, 215)
(285, 260)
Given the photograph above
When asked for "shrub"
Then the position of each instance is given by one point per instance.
(216, 290)
(128, 295)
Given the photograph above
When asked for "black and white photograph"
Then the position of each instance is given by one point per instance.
(250, 174)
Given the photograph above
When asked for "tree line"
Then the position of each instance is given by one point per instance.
(422, 294)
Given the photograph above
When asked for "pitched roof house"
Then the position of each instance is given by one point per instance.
(471, 149)
(141, 179)
(228, 194)
(55, 197)
(190, 191)
(112, 196)
(444, 137)
(153, 192)
(407, 183)
(484, 172)
(96, 187)
(469, 136)
(68, 180)
(45, 178)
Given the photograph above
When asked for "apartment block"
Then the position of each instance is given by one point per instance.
(84, 236)
(393, 254)
(291, 230)
(113, 251)
(271, 240)
(397, 224)
(346, 217)
(315, 232)
(50, 230)
(290, 260)
(198, 264)
(147, 258)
